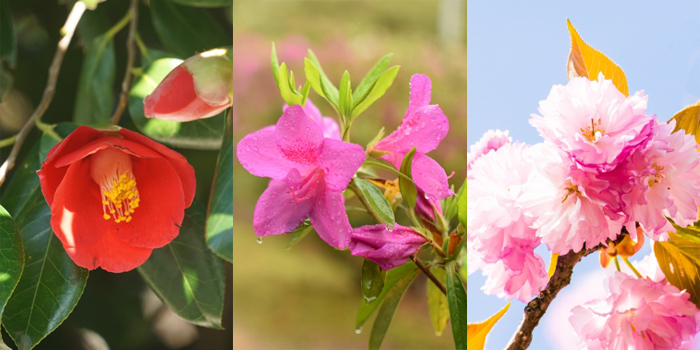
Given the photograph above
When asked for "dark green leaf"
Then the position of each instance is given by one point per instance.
(376, 200)
(462, 205)
(95, 98)
(219, 228)
(345, 103)
(23, 183)
(372, 280)
(48, 141)
(363, 89)
(11, 257)
(408, 188)
(186, 275)
(304, 229)
(380, 86)
(204, 3)
(393, 276)
(51, 283)
(387, 311)
(437, 302)
(8, 44)
(457, 300)
(198, 134)
(185, 30)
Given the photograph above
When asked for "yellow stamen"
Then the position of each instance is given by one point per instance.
(111, 170)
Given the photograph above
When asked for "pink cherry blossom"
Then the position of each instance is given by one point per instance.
(386, 247)
(423, 127)
(500, 239)
(491, 141)
(637, 314)
(309, 173)
(593, 122)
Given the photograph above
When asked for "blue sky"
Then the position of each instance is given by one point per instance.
(517, 51)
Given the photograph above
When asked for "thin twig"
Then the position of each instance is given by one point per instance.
(537, 307)
(430, 275)
(126, 83)
(69, 28)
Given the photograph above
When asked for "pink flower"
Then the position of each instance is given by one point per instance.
(491, 141)
(569, 204)
(501, 241)
(593, 122)
(638, 314)
(329, 126)
(387, 248)
(423, 127)
(666, 182)
(309, 173)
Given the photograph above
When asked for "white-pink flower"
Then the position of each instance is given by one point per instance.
(638, 314)
(500, 240)
(593, 122)
(491, 141)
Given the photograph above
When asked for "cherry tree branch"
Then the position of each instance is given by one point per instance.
(68, 28)
(537, 307)
(130, 52)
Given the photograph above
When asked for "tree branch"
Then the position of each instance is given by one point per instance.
(537, 307)
(68, 28)
(130, 52)
(430, 275)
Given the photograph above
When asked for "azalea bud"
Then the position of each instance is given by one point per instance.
(200, 87)
(385, 246)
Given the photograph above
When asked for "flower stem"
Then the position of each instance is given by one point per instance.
(8, 141)
(430, 275)
(617, 264)
(631, 266)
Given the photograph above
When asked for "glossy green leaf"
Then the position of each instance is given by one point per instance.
(393, 277)
(203, 134)
(378, 89)
(363, 89)
(204, 3)
(51, 283)
(186, 275)
(408, 188)
(449, 204)
(49, 141)
(186, 30)
(345, 95)
(11, 257)
(462, 204)
(23, 183)
(679, 260)
(376, 200)
(373, 278)
(386, 313)
(8, 44)
(95, 98)
(437, 302)
(219, 228)
(457, 300)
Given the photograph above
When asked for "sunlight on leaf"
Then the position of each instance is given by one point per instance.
(688, 119)
(679, 260)
(585, 61)
(476, 333)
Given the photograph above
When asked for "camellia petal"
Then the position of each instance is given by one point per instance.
(109, 253)
(340, 160)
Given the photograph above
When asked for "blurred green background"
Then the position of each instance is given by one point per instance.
(307, 297)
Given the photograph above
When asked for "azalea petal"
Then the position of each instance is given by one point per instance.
(299, 137)
(76, 212)
(421, 87)
(157, 219)
(50, 176)
(277, 211)
(259, 154)
(422, 128)
(177, 160)
(110, 253)
(386, 248)
(340, 160)
(329, 219)
(328, 125)
(430, 177)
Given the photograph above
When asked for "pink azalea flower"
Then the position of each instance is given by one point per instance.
(667, 182)
(387, 248)
(423, 127)
(329, 126)
(491, 141)
(569, 204)
(593, 122)
(500, 238)
(309, 173)
(637, 314)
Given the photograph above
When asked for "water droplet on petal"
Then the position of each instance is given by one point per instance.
(259, 240)
(389, 227)
(358, 330)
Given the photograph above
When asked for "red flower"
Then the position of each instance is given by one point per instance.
(115, 196)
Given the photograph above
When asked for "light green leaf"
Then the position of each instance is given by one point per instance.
(345, 103)
(462, 204)
(407, 271)
(373, 278)
(376, 200)
(679, 260)
(363, 89)
(95, 98)
(378, 89)
(283, 84)
(51, 283)
(437, 302)
(219, 228)
(408, 188)
(392, 299)
(186, 275)
(320, 82)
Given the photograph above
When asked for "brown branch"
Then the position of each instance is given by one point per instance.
(69, 28)
(429, 274)
(130, 52)
(537, 307)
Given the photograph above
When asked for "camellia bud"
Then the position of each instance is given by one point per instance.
(200, 87)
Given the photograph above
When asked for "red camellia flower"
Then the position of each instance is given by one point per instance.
(115, 196)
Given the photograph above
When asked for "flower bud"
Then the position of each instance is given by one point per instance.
(200, 87)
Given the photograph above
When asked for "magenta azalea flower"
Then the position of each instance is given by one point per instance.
(593, 122)
(423, 127)
(330, 128)
(387, 248)
(501, 241)
(309, 173)
(491, 141)
(638, 314)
